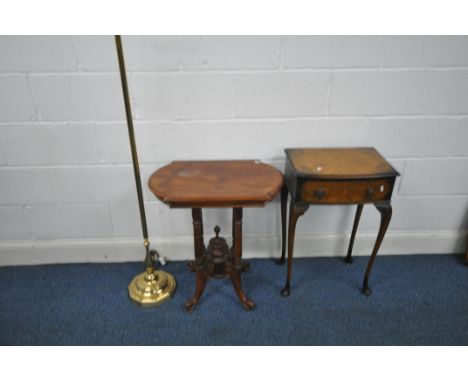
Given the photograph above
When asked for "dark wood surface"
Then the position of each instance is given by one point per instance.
(240, 183)
(236, 184)
(346, 176)
(340, 163)
(337, 176)
(466, 251)
(345, 192)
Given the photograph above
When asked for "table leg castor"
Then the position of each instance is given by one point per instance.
(192, 266)
(366, 290)
(245, 301)
(199, 288)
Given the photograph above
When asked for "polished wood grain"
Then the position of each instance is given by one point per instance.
(337, 176)
(345, 192)
(236, 253)
(295, 211)
(385, 210)
(200, 266)
(340, 163)
(242, 183)
(357, 217)
(236, 184)
(284, 201)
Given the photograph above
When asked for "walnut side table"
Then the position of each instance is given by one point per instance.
(337, 176)
(229, 184)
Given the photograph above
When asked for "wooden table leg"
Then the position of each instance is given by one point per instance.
(466, 252)
(295, 210)
(237, 251)
(349, 259)
(385, 210)
(200, 255)
(284, 201)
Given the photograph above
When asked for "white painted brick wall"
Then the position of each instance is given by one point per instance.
(230, 52)
(436, 177)
(69, 221)
(27, 186)
(16, 103)
(51, 144)
(65, 167)
(3, 157)
(446, 92)
(263, 95)
(77, 97)
(151, 53)
(13, 223)
(182, 96)
(375, 92)
(327, 52)
(445, 51)
(41, 53)
(94, 184)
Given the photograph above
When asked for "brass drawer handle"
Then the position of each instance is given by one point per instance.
(319, 193)
(369, 193)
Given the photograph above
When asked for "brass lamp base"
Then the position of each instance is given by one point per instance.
(151, 287)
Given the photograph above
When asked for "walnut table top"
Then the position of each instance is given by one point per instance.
(340, 163)
(238, 183)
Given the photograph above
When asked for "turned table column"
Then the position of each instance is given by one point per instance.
(220, 184)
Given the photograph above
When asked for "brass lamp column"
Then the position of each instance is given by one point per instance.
(152, 286)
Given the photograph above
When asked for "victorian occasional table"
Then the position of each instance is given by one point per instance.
(337, 176)
(229, 184)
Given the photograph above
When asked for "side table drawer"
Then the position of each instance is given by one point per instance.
(345, 191)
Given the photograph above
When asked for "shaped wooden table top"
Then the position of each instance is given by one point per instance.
(237, 183)
(340, 163)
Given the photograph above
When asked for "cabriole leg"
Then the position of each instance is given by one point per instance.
(385, 210)
(237, 255)
(349, 259)
(284, 201)
(200, 251)
(295, 210)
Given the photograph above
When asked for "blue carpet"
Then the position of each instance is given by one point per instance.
(416, 300)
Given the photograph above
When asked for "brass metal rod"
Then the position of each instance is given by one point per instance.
(131, 135)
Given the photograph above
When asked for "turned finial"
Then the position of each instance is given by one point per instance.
(217, 230)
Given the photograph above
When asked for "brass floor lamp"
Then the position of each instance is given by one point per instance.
(152, 286)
